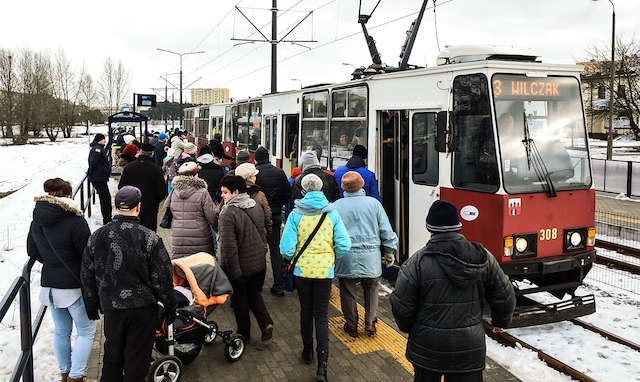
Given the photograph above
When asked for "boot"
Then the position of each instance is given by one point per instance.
(370, 328)
(323, 358)
(64, 377)
(80, 379)
(307, 354)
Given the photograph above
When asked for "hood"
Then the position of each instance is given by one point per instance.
(360, 192)
(355, 162)
(241, 201)
(50, 210)
(313, 203)
(185, 186)
(459, 259)
(94, 144)
(252, 188)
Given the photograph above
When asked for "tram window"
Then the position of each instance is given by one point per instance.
(315, 105)
(228, 128)
(315, 138)
(291, 136)
(345, 135)
(475, 166)
(270, 134)
(357, 102)
(425, 156)
(339, 102)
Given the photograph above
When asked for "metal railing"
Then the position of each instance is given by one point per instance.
(616, 176)
(21, 288)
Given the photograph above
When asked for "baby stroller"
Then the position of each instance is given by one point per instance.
(180, 343)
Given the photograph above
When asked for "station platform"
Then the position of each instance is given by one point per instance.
(380, 358)
(608, 203)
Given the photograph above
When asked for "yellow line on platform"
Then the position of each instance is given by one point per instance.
(386, 338)
(618, 217)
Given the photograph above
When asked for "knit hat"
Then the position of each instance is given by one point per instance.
(360, 152)
(190, 148)
(162, 136)
(98, 137)
(205, 158)
(296, 172)
(242, 157)
(352, 182)
(130, 149)
(218, 150)
(246, 170)
(128, 138)
(262, 154)
(188, 168)
(127, 198)
(443, 217)
(147, 147)
(311, 182)
(309, 160)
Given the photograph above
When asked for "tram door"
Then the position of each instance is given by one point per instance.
(290, 126)
(424, 170)
(394, 173)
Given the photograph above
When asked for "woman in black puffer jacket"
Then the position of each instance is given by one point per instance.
(57, 237)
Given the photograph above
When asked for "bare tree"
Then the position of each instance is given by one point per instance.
(114, 84)
(122, 81)
(627, 80)
(7, 90)
(87, 96)
(66, 89)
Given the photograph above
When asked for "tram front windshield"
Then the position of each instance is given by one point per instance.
(541, 133)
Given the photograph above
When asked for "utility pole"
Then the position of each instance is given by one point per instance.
(274, 41)
(10, 111)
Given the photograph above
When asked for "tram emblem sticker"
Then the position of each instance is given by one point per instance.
(469, 213)
(515, 206)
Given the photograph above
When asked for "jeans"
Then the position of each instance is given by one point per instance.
(74, 362)
(314, 308)
(348, 292)
(247, 296)
(105, 200)
(276, 258)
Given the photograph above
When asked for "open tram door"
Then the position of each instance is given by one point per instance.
(124, 117)
(290, 126)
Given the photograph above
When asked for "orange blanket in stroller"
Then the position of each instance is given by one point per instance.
(201, 273)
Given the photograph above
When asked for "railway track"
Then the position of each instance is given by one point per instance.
(616, 263)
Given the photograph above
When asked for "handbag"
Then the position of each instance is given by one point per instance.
(289, 280)
(166, 218)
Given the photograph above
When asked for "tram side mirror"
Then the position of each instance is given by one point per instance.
(442, 131)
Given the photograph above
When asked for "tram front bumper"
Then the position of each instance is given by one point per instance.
(549, 265)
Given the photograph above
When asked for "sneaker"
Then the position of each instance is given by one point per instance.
(267, 333)
(353, 332)
(277, 292)
(370, 328)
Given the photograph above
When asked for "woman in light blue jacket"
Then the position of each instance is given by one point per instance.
(369, 228)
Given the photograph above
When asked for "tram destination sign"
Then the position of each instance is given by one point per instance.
(532, 88)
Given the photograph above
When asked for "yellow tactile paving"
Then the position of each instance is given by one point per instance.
(618, 217)
(386, 338)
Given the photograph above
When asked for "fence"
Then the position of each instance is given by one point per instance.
(21, 288)
(620, 177)
(617, 230)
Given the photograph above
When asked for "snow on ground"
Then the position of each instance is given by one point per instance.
(26, 168)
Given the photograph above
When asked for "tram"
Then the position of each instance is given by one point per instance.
(499, 134)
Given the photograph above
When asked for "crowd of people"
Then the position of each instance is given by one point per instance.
(317, 225)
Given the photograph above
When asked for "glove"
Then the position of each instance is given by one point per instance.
(170, 315)
(92, 312)
(388, 259)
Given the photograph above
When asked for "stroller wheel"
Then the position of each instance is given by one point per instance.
(211, 334)
(234, 349)
(165, 369)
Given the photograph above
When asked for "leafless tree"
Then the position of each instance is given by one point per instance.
(122, 81)
(114, 84)
(87, 96)
(627, 80)
(7, 90)
(66, 88)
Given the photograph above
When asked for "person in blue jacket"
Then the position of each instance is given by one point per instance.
(314, 269)
(369, 228)
(357, 163)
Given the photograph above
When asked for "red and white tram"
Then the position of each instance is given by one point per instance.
(500, 135)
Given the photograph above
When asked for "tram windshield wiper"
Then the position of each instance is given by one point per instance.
(534, 159)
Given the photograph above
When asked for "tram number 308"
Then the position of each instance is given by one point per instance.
(548, 234)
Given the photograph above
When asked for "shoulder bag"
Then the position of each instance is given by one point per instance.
(289, 280)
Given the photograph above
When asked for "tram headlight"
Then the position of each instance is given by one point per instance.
(575, 239)
(521, 244)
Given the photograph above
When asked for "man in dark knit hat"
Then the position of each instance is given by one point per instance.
(147, 176)
(358, 164)
(98, 174)
(125, 272)
(439, 297)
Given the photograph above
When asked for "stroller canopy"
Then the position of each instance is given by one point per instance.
(201, 273)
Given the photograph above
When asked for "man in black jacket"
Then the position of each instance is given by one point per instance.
(125, 271)
(439, 298)
(98, 174)
(309, 164)
(212, 173)
(275, 185)
(148, 177)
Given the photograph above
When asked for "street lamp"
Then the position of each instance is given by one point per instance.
(295, 79)
(180, 54)
(613, 75)
(348, 64)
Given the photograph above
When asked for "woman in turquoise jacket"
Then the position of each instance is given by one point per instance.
(369, 228)
(314, 268)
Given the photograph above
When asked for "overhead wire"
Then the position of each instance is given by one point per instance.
(332, 42)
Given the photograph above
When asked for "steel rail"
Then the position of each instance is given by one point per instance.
(618, 264)
(623, 249)
(608, 335)
(509, 340)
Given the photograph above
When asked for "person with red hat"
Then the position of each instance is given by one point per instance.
(439, 299)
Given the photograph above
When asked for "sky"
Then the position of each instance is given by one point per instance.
(560, 31)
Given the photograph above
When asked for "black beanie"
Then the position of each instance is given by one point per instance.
(443, 217)
(262, 154)
(98, 137)
(360, 152)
